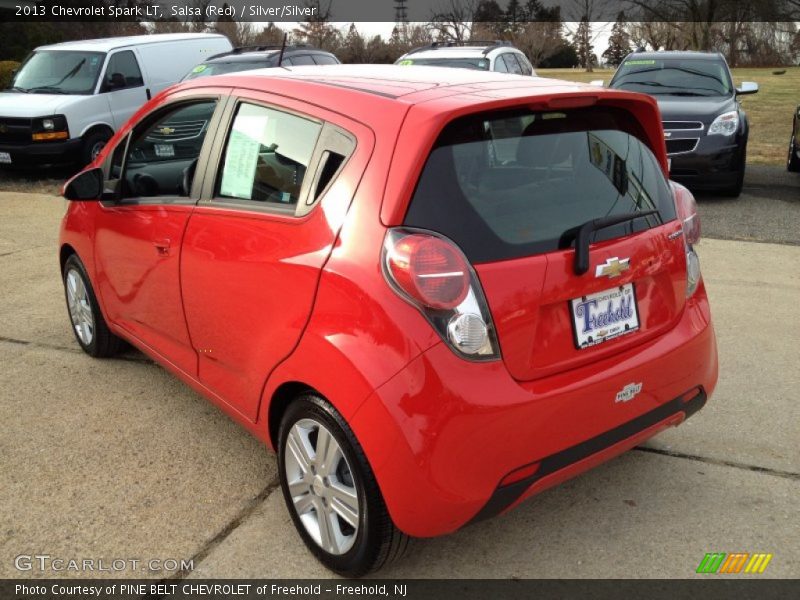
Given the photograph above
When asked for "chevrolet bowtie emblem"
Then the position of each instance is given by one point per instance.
(166, 130)
(613, 267)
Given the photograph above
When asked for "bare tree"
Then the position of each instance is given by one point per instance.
(453, 22)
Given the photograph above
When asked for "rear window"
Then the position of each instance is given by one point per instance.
(481, 64)
(506, 185)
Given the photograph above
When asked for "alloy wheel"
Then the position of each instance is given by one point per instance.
(80, 308)
(321, 485)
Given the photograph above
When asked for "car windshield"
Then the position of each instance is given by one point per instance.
(481, 64)
(674, 77)
(59, 72)
(221, 68)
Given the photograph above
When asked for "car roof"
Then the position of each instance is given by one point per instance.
(458, 52)
(107, 44)
(341, 85)
(690, 54)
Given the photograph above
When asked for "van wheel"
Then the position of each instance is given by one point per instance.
(93, 144)
(88, 324)
(331, 492)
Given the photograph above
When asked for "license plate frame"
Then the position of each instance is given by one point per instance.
(625, 309)
(164, 150)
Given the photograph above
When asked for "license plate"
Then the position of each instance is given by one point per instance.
(602, 316)
(5, 158)
(165, 150)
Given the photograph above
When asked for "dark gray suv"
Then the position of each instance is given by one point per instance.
(705, 127)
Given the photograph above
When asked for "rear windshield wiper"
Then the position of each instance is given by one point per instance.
(582, 233)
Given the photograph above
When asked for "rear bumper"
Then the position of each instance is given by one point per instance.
(41, 153)
(571, 461)
(443, 433)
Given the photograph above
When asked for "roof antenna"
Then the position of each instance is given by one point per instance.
(283, 47)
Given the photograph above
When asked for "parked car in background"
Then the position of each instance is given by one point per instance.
(433, 294)
(705, 126)
(499, 56)
(247, 58)
(67, 100)
(793, 161)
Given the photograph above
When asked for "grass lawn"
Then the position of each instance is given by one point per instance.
(769, 111)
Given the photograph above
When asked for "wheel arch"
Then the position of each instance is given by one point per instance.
(64, 253)
(94, 127)
(281, 398)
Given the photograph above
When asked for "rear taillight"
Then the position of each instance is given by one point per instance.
(686, 209)
(430, 271)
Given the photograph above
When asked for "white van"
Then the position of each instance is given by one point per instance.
(67, 100)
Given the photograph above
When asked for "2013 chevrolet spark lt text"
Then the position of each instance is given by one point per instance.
(434, 292)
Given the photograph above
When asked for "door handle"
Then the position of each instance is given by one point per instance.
(162, 247)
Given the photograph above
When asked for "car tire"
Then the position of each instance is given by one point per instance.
(361, 543)
(93, 144)
(735, 190)
(88, 324)
(793, 162)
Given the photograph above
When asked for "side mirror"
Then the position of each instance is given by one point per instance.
(86, 185)
(747, 87)
(596, 82)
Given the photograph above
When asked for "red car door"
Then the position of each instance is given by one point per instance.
(139, 234)
(256, 242)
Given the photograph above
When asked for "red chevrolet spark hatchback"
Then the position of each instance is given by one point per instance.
(435, 292)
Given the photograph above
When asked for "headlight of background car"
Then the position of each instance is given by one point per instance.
(725, 124)
(47, 129)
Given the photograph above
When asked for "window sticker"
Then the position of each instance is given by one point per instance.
(199, 68)
(640, 62)
(241, 156)
(406, 62)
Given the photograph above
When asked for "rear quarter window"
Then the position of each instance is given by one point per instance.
(506, 185)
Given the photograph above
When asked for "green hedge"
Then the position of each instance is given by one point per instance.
(6, 72)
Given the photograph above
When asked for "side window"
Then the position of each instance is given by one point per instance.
(324, 59)
(500, 65)
(162, 153)
(302, 59)
(123, 72)
(527, 68)
(512, 64)
(267, 156)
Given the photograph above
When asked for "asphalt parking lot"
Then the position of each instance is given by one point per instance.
(117, 459)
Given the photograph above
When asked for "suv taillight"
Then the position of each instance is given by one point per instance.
(686, 208)
(430, 272)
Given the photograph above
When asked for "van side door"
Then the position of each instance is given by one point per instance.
(123, 85)
(273, 202)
